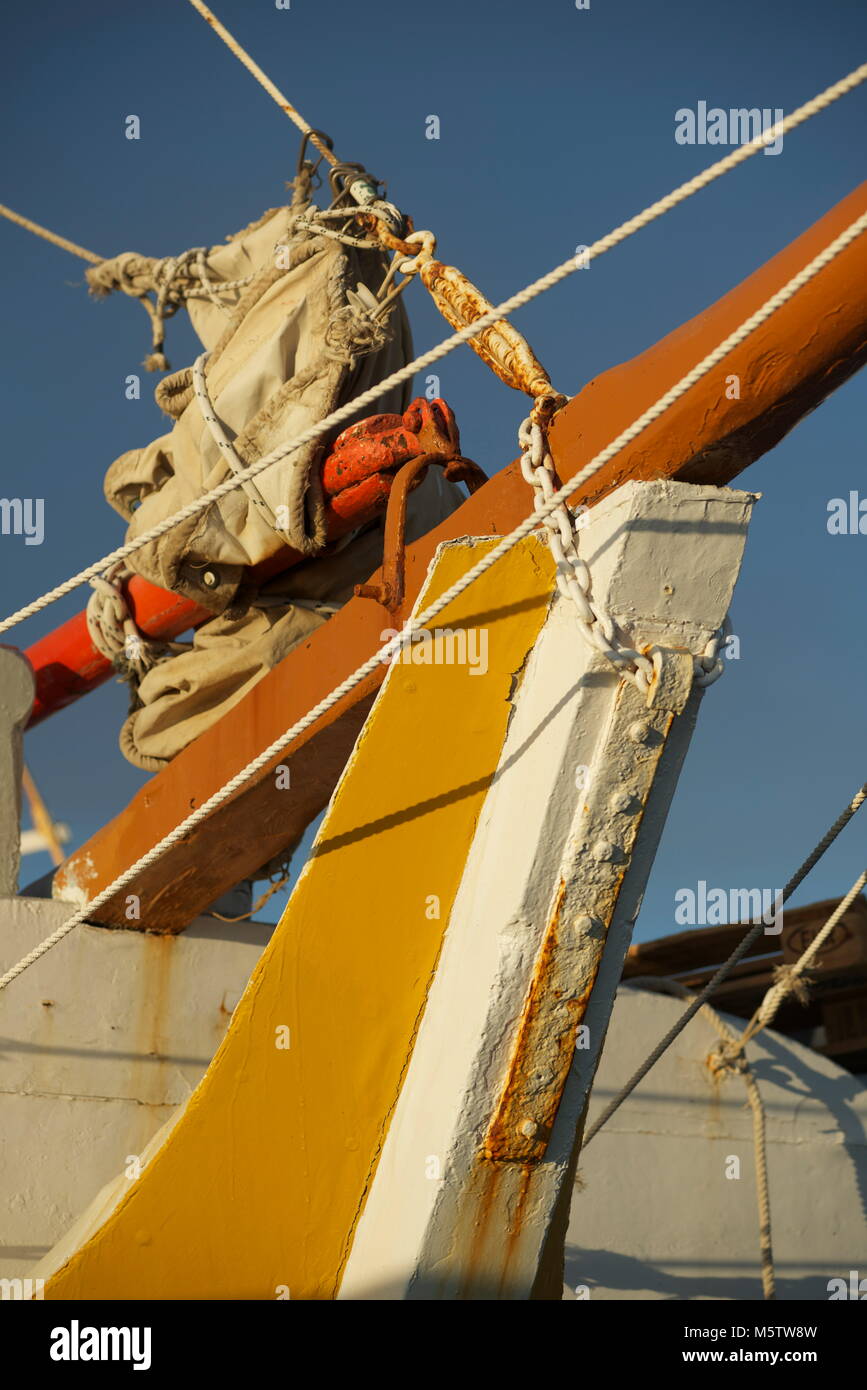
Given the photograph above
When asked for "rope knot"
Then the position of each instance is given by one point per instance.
(791, 980)
(727, 1056)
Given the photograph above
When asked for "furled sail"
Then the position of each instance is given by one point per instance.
(279, 312)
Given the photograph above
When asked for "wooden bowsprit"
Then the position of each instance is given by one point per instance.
(357, 477)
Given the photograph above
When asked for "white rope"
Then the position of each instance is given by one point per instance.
(728, 966)
(412, 625)
(56, 240)
(224, 444)
(730, 1057)
(517, 301)
(790, 976)
(113, 629)
(264, 80)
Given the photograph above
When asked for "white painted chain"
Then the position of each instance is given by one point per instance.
(574, 579)
(464, 335)
(710, 665)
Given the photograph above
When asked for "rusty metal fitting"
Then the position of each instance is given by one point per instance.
(374, 224)
(546, 405)
(390, 589)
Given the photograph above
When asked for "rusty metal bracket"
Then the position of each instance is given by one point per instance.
(591, 874)
(389, 591)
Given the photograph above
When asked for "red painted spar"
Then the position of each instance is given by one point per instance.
(357, 476)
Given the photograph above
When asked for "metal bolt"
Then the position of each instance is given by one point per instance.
(622, 801)
(639, 731)
(528, 1128)
(210, 579)
(604, 850)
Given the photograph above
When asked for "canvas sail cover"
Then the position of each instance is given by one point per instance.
(286, 348)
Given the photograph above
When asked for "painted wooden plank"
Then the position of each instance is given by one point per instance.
(256, 1190)
(483, 1140)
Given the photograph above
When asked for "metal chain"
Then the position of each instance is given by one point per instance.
(574, 579)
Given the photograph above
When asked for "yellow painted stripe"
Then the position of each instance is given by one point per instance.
(261, 1182)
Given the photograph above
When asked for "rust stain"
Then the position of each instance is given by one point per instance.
(505, 1142)
(484, 1202)
(149, 1039)
(515, 1227)
(485, 1195)
(553, 1011)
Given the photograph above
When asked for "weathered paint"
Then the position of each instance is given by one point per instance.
(659, 1211)
(501, 346)
(476, 1227)
(801, 354)
(101, 1042)
(260, 1184)
(583, 908)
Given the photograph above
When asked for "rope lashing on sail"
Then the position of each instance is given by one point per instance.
(217, 431)
(435, 354)
(414, 624)
(171, 281)
(728, 966)
(720, 1062)
(114, 632)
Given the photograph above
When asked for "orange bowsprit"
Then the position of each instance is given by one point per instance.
(357, 477)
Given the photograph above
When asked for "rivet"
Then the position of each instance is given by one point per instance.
(528, 1128)
(583, 924)
(210, 579)
(604, 850)
(622, 801)
(639, 731)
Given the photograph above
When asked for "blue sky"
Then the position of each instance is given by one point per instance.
(556, 125)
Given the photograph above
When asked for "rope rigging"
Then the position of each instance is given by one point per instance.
(730, 1054)
(175, 279)
(415, 624)
(726, 968)
(464, 335)
(722, 1061)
